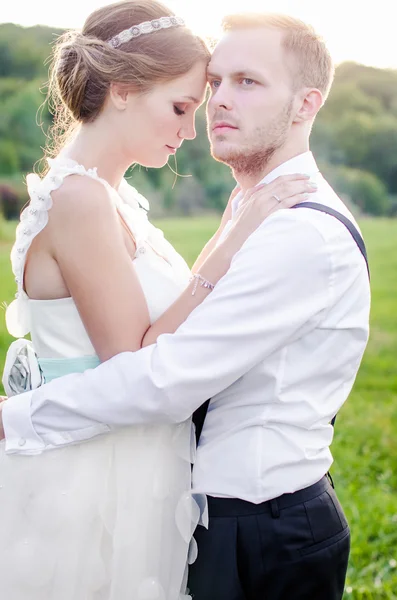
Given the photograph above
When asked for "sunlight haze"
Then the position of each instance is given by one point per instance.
(353, 30)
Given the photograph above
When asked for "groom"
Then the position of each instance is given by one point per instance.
(276, 345)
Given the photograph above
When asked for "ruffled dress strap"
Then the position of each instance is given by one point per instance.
(33, 220)
(131, 205)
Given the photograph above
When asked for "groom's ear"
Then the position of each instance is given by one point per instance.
(310, 102)
(118, 94)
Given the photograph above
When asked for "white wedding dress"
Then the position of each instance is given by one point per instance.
(111, 518)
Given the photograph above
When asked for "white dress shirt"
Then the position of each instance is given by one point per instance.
(276, 345)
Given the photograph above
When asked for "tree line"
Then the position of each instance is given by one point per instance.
(354, 137)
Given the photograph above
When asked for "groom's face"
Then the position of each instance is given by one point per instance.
(251, 108)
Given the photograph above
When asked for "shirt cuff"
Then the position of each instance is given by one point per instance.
(66, 438)
(20, 435)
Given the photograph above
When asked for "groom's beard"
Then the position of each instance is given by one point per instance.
(252, 156)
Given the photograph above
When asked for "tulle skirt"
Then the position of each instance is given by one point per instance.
(108, 519)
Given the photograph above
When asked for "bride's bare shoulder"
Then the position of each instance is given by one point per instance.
(80, 197)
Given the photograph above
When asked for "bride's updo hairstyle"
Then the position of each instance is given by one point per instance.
(84, 64)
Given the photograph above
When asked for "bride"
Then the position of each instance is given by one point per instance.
(112, 518)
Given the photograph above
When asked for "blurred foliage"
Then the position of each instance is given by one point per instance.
(354, 137)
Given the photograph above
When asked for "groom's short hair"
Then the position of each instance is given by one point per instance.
(312, 65)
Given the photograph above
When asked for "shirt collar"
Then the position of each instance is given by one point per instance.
(303, 163)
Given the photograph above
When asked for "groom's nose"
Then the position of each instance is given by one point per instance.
(221, 97)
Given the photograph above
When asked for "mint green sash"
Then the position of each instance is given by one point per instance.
(57, 367)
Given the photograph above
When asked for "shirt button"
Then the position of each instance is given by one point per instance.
(22, 442)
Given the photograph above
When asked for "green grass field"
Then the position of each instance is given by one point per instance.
(365, 446)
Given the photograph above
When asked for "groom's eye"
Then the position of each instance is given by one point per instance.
(247, 81)
(214, 84)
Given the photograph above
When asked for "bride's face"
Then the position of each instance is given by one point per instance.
(152, 126)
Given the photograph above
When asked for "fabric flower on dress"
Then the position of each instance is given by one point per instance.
(22, 370)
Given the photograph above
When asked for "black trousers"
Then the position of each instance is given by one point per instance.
(295, 547)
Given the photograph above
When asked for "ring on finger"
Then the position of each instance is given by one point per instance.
(276, 198)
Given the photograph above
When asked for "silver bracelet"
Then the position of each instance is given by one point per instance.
(204, 283)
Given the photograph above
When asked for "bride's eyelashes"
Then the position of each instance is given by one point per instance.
(178, 111)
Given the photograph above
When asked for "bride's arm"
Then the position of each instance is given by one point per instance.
(211, 244)
(87, 242)
(213, 264)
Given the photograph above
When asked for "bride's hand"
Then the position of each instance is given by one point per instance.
(265, 199)
(227, 213)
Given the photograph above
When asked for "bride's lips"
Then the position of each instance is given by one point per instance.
(171, 149)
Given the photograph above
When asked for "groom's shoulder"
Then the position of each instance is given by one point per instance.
(289, 231)
(327, 225)
(305, 232)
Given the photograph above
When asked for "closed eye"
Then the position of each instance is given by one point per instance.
(178, 111)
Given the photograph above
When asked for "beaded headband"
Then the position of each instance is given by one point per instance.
(146, 27)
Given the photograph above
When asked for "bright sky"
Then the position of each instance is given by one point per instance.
(354, 30)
